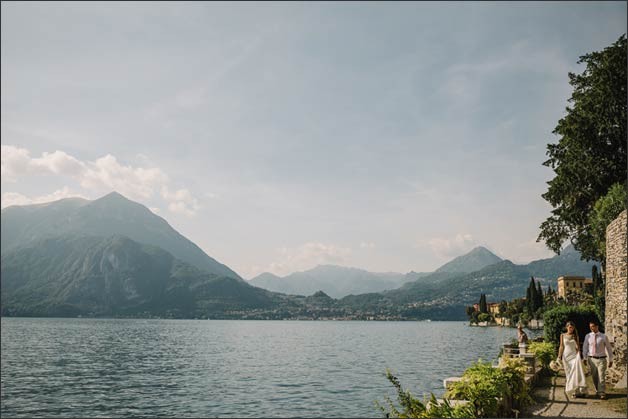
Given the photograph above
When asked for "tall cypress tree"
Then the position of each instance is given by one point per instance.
(533, 299)
(595, 278)
(539, 294)
(483, 306)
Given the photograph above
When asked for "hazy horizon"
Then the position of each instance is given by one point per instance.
(389, 137)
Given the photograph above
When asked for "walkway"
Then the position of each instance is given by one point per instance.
(551, 401)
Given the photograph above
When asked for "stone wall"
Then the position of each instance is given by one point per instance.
(615, 322)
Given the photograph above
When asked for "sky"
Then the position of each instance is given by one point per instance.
(387, 136)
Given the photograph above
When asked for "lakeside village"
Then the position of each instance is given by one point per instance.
(505, 388)
(528, 311)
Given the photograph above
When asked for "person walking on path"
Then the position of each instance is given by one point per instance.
(569, 353)
(596, 349)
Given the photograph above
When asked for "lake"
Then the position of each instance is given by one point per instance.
(231, 368)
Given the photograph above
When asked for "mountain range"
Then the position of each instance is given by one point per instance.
(335, 281)
(339, 282)
(114, 257)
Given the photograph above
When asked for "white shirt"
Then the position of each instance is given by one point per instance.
(602, 346)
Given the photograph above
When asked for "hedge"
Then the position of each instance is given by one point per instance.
(554, 321)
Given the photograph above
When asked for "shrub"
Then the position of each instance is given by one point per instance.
(484, 317)
(554, 321)
(483, 386)
(514, 369)
(414, 408)
(544, 352)
(488, 388)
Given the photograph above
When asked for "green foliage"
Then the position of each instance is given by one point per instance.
(484, 317)
(411, 407)
(514, 369)
(554, 321)
(486, 387)
(595, 277)
(605, 210)
(534, 299)
(545, 352)
(503, 307)
(590, 156)
(483, 306)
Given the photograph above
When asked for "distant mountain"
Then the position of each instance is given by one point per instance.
(501, 281)
(475, 260)
(116, 276)
(567, 263)
(336, 281)
(109, 215)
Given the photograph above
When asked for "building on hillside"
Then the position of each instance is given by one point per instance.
(573, 283)
(493, 308)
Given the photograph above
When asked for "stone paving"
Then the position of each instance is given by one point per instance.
(551, 401)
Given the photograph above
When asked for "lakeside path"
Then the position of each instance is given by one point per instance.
(551, 401)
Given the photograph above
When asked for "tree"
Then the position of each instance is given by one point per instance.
(528, 299)
(539, 295)
(483, 306)
(590, 155)
(605, 210)
(599, 292)
(484, 317)
(532, 298)
(595, 279)
(503, 307)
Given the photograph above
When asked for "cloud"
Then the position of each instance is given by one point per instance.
(107, 173)
(367, 245)
(103, 174)
(452, 247)
(14, 162)
(14, 198)
(180, 201)
(527, 251)
(307, 256)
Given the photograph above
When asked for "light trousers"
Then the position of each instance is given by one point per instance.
(598, 373)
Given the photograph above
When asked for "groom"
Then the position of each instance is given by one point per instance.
(596, 348)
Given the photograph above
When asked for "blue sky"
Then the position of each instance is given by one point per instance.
(388, 136)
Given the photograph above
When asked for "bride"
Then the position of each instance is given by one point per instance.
(569, 352)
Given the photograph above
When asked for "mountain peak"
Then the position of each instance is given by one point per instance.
(479, 249)
(114, 197)
(478, 258)
(109, 215)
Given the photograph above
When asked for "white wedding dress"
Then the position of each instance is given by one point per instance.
(574, 371)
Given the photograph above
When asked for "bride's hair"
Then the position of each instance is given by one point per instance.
(575, 331)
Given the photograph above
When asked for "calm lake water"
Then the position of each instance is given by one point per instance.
(203, 368)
